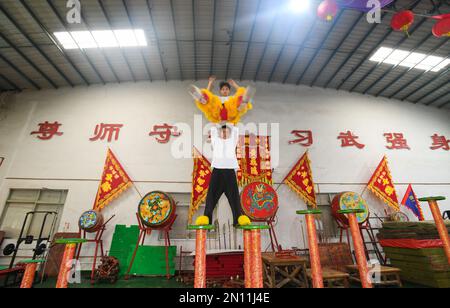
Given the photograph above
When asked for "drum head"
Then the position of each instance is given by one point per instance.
(259, 201)
(351, 200)
(156, 208)
(88, 220)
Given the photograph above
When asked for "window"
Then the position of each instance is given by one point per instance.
(102, 39)
(179, 229)
(22, 201)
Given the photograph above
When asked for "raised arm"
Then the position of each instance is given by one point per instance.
(211, 81)
(234, 84)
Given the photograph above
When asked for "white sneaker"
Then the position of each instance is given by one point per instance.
(196, 94)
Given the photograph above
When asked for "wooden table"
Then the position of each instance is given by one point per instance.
(332, 278)
(388, 275)
(278, 272)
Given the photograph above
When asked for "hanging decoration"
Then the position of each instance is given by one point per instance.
(201, 175)
(300, 180)
(253, 154)
(327, 10)
(114, 182)
(382, 185)
(402, 21)
(442, 28)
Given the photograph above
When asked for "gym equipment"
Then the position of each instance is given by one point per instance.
(29, 239)
(314, 256)
(200, 254)
(253, 267)
(440, 225)
(66, 262)
(358, 245)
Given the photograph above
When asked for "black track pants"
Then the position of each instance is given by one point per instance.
(223, 181)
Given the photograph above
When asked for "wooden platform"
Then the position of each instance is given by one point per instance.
(279, 272)
(388, 275)
(332, 278)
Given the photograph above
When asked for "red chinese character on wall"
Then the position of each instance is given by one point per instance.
(397, 141)
(349, 140)
(440, 142)
(48, 130)
(304, 137)
(164, 131)
(109, 131)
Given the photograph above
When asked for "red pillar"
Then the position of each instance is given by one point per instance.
(200, 254)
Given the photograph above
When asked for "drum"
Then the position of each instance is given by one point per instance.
(259, 201)
(156, 209)
(91, 221)
(349, 200)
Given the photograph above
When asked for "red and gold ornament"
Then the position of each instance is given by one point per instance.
(402, 21)
(327, 10)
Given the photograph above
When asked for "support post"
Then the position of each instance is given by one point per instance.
(66, 263)
(30, 272)
(200, 254)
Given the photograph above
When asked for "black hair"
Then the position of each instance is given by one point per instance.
(224, 126)
(225, 84)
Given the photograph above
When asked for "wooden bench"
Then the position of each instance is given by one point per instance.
(332, 278)
(388, 275)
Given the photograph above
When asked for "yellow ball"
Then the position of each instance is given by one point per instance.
(244, 221)
(202, 221)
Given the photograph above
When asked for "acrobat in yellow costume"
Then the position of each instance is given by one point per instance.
(230, 111)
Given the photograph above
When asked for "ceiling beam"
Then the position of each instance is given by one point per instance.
(28, 61)
(401, 76)
(300, 48)
(22, 74)
(350, 55)
(131, 22)
(194, 32)
(252, 30)
(330, 31)
(445, 103)
(10, 82)
(176, 36)
(53, 40)
(272, 28)
(418, 45)
(437, 98)
(236, 11)
(369, 53)
(108, 22)
(335, 51)
(83, 52)
(283, 47)
(158, 42)
(33, 43)
(211, 64)
(442, 74)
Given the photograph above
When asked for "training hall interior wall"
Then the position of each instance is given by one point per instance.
(74, 163)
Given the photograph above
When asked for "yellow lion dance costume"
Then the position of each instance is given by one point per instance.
(230, 111)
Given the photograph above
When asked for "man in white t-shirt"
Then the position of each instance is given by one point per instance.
(223, 178)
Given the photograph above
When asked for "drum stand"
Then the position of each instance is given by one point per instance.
(144, 230)
(273, 236)
(98, 242)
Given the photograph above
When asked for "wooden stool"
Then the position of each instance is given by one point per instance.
(280, 271)
(332, 278)
(388, 275)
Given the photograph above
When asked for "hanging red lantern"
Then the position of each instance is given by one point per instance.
(442, 28)
(327, 10)
(402, 21)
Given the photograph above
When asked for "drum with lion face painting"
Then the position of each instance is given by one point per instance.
(349, 200)
(259, 201)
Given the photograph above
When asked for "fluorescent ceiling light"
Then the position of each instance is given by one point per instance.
(299, 5)
(102, 39)
(410, 59)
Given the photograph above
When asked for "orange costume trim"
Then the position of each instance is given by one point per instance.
(213, 107)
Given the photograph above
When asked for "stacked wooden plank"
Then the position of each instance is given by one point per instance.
(415, 248)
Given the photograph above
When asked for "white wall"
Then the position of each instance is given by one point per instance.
(73, 162)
